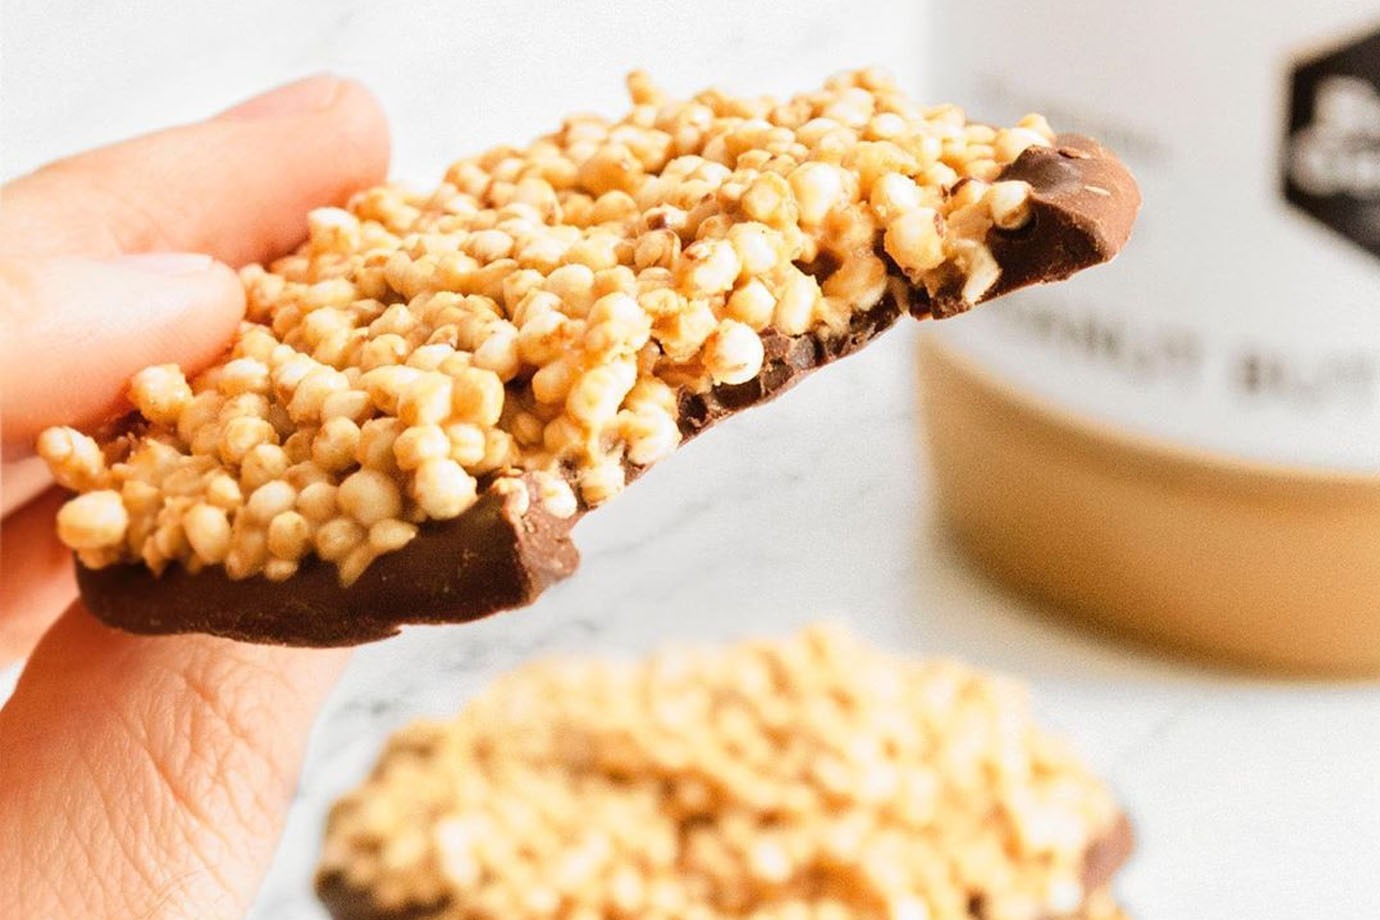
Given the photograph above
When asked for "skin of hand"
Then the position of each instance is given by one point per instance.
(147, 777)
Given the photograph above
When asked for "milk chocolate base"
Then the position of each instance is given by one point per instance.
(493, 557)
(345, 902)
(1083, 203)
(496, 556)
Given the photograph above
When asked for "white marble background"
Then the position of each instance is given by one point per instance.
(1254, 800)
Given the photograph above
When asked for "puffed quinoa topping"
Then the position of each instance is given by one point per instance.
(75, 459)
(733, 353)
(809, 777)
(422, 347)
(95, 520)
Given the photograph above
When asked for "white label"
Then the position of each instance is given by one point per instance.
(1244, 315)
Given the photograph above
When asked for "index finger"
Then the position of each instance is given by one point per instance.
(237, 187)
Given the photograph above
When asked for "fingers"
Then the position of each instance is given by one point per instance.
(36, 581)
(160, 766)
(238, 186)
(21, 481)
(73, 331)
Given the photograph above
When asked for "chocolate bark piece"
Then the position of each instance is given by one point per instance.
(1104, 857)
(1083, 203)
(346, 902)
(502, 553)
(640, 758)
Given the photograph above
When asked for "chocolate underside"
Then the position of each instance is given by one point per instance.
(493, 557)
(499, 555)
(1103, 858)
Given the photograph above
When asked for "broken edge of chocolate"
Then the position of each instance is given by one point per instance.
(501, 553)
(1083, 203)
(786, 361)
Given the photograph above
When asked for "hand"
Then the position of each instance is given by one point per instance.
(147, 777)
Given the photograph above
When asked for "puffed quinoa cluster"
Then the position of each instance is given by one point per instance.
(544, 310)
(802, 779)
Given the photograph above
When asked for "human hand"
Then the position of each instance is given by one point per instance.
(147, 777)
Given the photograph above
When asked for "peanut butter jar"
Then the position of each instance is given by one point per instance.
(1184, 446)
(1267, 566)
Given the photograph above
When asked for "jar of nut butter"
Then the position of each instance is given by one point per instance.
(1184, 445)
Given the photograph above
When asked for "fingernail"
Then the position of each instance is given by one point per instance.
(312, 94)
(166, 263)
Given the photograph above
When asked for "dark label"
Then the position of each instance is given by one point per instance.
(1332, 152)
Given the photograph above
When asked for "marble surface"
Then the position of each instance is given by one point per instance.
(1252, 799)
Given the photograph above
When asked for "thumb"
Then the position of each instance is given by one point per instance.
(73, 331)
